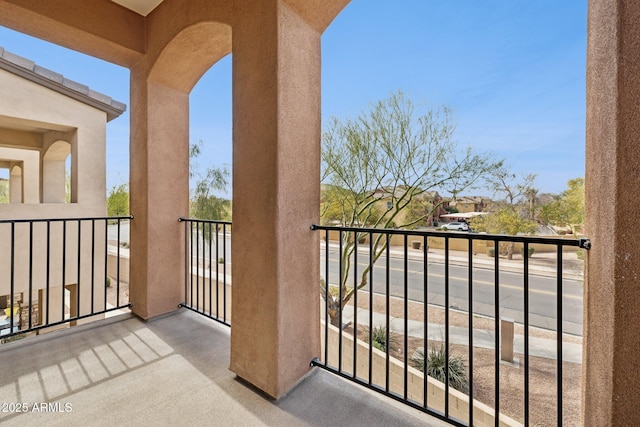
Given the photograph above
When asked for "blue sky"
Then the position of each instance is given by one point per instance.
(513, 72)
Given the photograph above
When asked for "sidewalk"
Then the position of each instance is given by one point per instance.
(539, 347)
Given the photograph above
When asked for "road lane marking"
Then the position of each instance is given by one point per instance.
(482, 282)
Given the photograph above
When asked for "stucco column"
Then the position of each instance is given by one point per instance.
(159, 191)
(612, 292)
(276, 172)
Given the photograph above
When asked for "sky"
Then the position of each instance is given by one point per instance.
(512, 72)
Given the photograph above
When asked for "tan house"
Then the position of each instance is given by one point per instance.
(466, 204)
(276, 44)
(429, 203)
(53, 144)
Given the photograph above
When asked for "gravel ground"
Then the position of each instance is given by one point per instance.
(542, 372)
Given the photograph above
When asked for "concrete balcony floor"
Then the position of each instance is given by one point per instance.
(169, 371)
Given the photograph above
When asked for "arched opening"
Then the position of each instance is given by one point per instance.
(210, 124)
(56, 173)
(190, 54)
(187, 64)
(4, 184)
(210, 157)
(16, 184)
(160, 140)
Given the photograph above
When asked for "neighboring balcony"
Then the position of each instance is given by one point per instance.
(174, 369)
(60, 272)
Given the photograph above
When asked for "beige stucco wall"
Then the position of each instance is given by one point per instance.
(117, 260)
(53, 117)
(33, 122)
(31, 244)
(29, 163)
(209, 295)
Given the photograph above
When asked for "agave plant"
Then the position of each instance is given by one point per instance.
(379, 338)
(436, 367)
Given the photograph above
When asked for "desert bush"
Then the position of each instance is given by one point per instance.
(436, 367)
(379, 338)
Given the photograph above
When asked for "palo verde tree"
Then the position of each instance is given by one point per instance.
(515, 212)
(376, 165)
(118, 200)
(566, 209)
(4, 190)
(204, 204)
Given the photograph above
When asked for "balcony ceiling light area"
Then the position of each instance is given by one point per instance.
(142, 7)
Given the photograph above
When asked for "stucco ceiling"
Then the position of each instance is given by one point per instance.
(13, 123)
(142, 7)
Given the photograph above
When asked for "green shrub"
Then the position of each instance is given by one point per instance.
(108, 282)
(436, 367)
(580, 254)
(531, 251)
(379, 338)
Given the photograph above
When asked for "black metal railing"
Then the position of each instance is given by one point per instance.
(207, 257)
(56, 271)
(374, 281)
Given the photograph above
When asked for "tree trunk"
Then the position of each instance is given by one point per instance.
(510, 250)
(334, 308)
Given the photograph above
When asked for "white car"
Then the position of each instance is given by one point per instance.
(460, 226)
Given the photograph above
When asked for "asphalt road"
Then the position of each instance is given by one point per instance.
(542, 290)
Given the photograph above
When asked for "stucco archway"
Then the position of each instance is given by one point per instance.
(15, 184)
(159, 182)
(276, 157)
(54, 173)
(190, 54)
(276, 173)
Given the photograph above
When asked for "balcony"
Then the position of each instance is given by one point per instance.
(149, 370)
(524, 368)
(276, 113)
(173, 370)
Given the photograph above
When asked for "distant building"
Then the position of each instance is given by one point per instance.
(471, 204)
(430, 203)
(53, 144)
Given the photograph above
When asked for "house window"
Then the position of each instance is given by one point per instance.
(389, 205)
